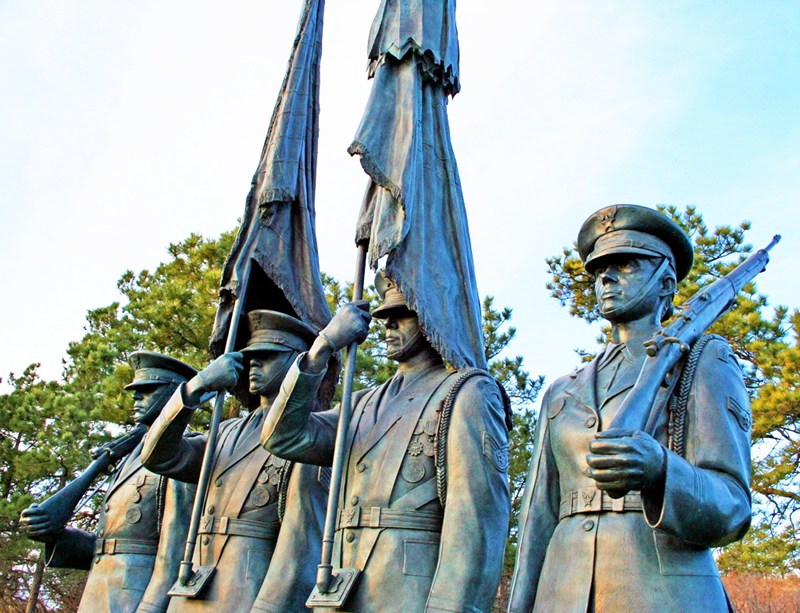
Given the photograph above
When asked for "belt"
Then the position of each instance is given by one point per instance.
(112, 546)
(380, 517)
(591, 500)
(239, 527)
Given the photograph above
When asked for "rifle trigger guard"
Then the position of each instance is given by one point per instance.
(674, 339)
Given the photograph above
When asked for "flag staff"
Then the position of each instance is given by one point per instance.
(330, 591)
(187, 577)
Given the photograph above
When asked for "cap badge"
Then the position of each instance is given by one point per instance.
(607, 219)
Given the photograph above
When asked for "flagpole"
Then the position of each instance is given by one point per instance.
(325, 584)
(185, 578)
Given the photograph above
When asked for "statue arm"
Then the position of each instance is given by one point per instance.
(477, 508)
(74, 548)
(538, 517)
(291, 429)
(166, 450)
(706, 496)
(178, 501)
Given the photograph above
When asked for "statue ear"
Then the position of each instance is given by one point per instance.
(668, 284)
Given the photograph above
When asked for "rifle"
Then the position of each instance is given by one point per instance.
(60, 507)
(669, 344)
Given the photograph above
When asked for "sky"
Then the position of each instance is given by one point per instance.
(125, 126)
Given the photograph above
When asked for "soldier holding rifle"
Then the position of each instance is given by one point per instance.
(423, 510)
(134, 556)
(582, 545)
(262, 521)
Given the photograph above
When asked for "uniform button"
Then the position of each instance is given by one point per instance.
(206, 540)
(101, 533)
(218, 482)
(354, 500)
(210, 510)
(588, 525)
(361, 467)
(591, 422)
(107, 507)
(350, 537)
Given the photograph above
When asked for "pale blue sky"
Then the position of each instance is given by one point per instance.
(124, 126)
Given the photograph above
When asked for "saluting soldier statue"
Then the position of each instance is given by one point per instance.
(133, 558)
(262, 523)
(650, 551)
(424, 505)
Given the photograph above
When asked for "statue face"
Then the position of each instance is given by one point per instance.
(148, 400)
(620, 281)
(404, 338)
(267, 371)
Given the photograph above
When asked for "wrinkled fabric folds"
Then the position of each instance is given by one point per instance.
(413, 210)
(278, 230)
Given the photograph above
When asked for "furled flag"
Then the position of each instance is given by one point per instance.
(274, 260)
(414, 210)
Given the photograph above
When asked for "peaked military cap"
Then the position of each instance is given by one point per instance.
(630, 228)
(151, 368)
(274, 331)
(391, 296)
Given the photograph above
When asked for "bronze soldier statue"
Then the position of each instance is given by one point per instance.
(424, 504)
(582, 546)
(133, 558)
(262, 523)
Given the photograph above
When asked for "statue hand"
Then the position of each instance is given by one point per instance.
(40, 523)
(626, 460)
(221, 374)
(349, 325)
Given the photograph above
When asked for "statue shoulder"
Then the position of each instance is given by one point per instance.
(476, 391)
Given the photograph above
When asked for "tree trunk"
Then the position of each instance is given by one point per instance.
(38, 574)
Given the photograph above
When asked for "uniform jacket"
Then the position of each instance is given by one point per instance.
(240, 528)
(134, 556)
(656, 558)
(414, 555)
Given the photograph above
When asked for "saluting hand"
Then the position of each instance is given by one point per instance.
(221, 374)
(627, 460)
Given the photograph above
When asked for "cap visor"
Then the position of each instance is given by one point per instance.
(264, 347)
(594, 258)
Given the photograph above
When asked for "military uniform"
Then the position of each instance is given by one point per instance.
(133, 558)
(582, 551)
(244, 527)
(414, 554)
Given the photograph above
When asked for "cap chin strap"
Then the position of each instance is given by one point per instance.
(157, 402)
(279, 371)
(637, 299)
(401, 353)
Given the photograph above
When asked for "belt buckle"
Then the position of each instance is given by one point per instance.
(590, 500)
(375, 517)
(223, 525)
(351, 517)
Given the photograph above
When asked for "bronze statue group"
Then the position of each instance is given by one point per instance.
(634, 478)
